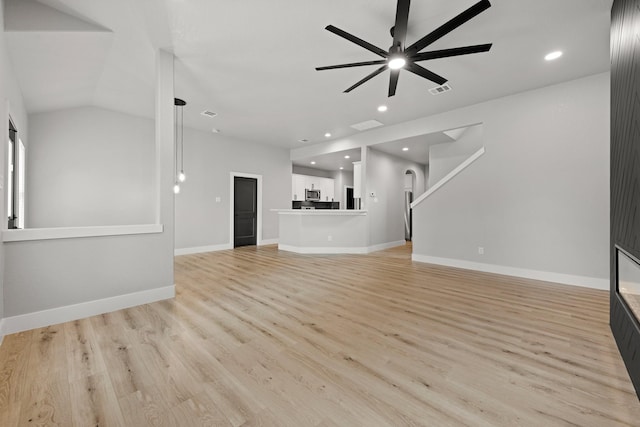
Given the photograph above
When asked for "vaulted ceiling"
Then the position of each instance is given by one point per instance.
(252, 61)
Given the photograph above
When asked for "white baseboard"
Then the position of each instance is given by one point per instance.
(201, 249)
(388, 245)
(2, 334)
(547, 276)
(268, 242)
(322, 250)
(68, 313)
(340, 250)
(215, 248)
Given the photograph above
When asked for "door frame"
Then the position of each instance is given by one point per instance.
(232, 175)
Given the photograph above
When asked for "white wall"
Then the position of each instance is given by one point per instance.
(549, 204)
(209, 158)
(11, 103)
(443, 158)
(386, 178)
(49, 281)
(90, 166)
(538, 200)
(113, 153)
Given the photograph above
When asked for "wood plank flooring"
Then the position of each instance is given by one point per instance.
(258, 337)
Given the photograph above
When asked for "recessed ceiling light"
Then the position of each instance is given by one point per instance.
(553, 55)
(382, 108)
(304, 140)
(313, 163)
(214, 130)
(347, 157)
(341, 168)
(405, 149)
(327, 135)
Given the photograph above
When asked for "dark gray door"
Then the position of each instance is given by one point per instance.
(245, 207)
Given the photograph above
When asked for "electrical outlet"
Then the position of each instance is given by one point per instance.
(218, 199)
(480, 250)
(330, 238)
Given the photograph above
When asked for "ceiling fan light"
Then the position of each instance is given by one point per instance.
(397, 62)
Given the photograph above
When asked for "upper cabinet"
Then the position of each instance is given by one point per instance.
(299, 183)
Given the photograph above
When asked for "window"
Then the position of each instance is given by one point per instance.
(15, 179)
(21, 170)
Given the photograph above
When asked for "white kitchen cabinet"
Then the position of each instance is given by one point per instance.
(327, 188)
(301, 182)
(298, 186)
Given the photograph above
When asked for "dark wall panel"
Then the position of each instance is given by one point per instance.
(625, 168)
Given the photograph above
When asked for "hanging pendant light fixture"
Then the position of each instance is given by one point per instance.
(179, 142)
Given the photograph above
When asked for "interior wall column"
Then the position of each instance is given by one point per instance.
(165, 147)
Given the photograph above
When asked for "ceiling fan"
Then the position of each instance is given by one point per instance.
(398, 56)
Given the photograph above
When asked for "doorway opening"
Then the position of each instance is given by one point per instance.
(349, 200)
(246, 215)
(409, 186)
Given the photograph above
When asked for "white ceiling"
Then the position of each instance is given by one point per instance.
(332, 161)
(418, 146)
(252, 61)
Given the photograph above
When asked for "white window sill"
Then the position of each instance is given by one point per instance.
(77, 232)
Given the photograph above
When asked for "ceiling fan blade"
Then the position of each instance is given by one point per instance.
(393, 82)
(400, 27)
(366, 79)
(423, 72)
(353, 39)
(449, 26)
(445, 53)
(353, 64)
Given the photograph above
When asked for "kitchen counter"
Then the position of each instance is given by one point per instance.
(323, 231)
(315, 204)
(320, 211)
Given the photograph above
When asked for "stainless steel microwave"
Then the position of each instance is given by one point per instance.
(312, 194)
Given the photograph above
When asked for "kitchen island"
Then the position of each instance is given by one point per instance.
(323, 231)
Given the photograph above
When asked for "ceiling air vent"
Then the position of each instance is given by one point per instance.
(208, 113)
(440, 89)
(369, 124)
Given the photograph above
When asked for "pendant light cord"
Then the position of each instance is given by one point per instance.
(175, 121)
(182, 140)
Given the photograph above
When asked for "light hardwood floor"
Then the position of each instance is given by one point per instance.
(261, 337)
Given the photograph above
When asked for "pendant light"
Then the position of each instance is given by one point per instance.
(179, 141)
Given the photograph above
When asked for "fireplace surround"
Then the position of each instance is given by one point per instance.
(625, 182)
